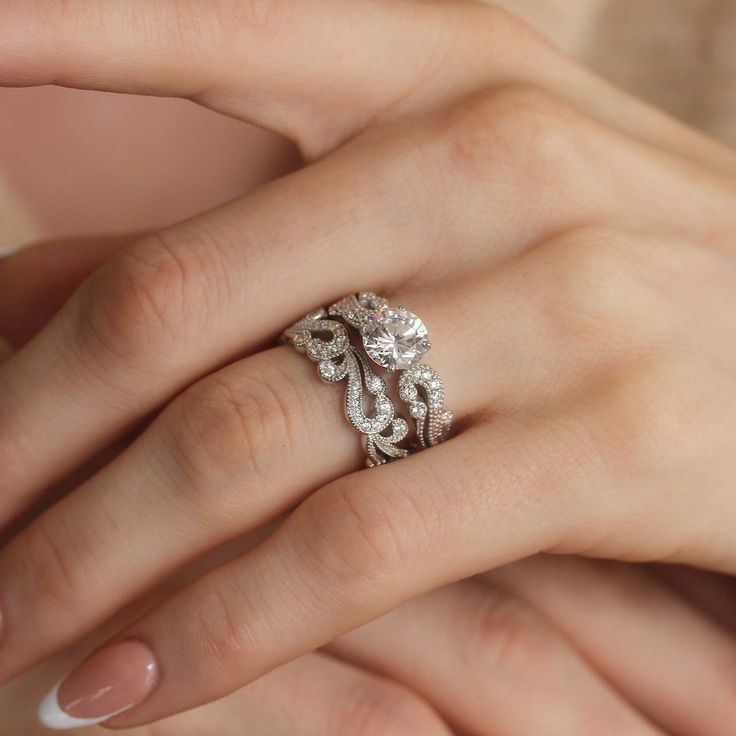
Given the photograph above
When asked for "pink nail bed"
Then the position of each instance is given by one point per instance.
(111, 681)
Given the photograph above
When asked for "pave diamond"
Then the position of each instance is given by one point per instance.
(395, 338)
(327, 370)
(417, 409)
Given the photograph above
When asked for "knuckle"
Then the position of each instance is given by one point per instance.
(61, 572)
(47, 14)
(135, 301)
(372, 708)
(595, 285)
(218, 621)
(655, 404)
(515, 131)
(235, 425)
(258, 15)
(636, 421)
(353, 538)
(142, 300)
(222, 23)
(504, 634)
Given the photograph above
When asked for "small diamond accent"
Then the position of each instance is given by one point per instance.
(327, 370)
(417, 409)
(408, 393)
(395, 338)
(375, 384)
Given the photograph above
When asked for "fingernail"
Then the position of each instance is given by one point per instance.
(111, 681)
(8, 250)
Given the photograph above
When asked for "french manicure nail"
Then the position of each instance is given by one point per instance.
(113, 680)
(8, 250)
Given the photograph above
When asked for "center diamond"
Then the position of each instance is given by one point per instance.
(395, 338)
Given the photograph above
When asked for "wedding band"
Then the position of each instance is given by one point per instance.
(393, 338)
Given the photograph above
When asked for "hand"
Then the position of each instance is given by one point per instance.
(504, 668)
(544, 644)
(549, 227)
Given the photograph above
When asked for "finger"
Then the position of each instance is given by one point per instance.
(273, 62)
(663, 654)
(315, 695)
(36, 281)
(270, 62)
(235, 450)
(181, 303)
(118, 314)
(711, 592)
(230, 454)
(349, 553)
(504, 671)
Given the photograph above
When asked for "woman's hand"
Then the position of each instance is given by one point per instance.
(544, 643)
(570, 249)
(541, 644)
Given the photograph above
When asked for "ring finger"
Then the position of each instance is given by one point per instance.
(234, 451)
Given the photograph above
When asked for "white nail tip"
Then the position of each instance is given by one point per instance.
(52, 716)
(8, 250)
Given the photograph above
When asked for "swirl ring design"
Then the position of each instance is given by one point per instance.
(323, 335)
(338, 360)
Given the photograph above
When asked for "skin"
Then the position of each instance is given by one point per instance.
(608, 295)
(387, 679)
(222, 156)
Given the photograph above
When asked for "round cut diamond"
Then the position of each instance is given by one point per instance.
(395, 338)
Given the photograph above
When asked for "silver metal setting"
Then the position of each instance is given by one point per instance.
(421, 388)
(324, 337)
(338, 360)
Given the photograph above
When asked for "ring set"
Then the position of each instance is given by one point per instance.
(394, 339)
